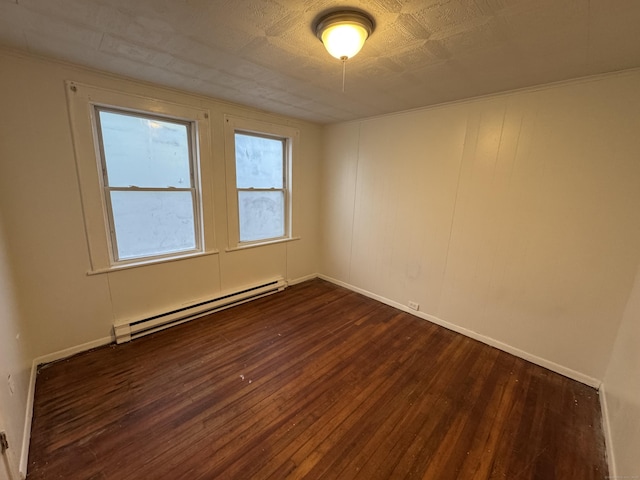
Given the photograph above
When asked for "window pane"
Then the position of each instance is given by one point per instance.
(145, 152)
(259, 161)
(152, 223)
(261, 215)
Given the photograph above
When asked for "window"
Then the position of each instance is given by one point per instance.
(260, 184)
(259, 169)
(148, 177)
(145, 177)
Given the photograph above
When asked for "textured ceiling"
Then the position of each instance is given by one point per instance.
(264, 53)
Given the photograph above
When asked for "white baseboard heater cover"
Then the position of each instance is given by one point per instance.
(134, 328)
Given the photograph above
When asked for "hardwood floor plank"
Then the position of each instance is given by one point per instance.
(316, 382)
(261, 415)
(301, 389)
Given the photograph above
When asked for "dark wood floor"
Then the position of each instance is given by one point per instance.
(316, 382)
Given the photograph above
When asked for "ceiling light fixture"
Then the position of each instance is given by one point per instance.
(343, 34)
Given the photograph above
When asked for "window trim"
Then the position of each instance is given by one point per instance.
(83, 102)
(233, 125)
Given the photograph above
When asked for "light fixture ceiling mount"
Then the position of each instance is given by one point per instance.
(344, 32)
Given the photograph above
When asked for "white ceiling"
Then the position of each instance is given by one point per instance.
(264, 53)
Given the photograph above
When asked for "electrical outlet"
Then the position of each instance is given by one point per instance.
(12, 385)
(414, 305)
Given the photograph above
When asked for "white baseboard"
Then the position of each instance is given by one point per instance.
(554, 367)
(302, 279)
(68, 352)
(28, 416)
(606, 429)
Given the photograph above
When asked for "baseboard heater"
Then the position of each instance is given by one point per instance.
(128, 330)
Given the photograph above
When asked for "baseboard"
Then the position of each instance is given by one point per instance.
(68, 352)
(28, 416)
(302, 279)
(606, 429)
(554, 367)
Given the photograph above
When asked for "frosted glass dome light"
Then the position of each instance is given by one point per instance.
(344, 33)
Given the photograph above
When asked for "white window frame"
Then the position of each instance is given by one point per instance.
(289, 135)
(84, 102)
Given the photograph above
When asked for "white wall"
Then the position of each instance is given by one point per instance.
(14, 366)
(622, 391)
(513, 216)
(61, 305)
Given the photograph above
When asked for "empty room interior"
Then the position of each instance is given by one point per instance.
(229, 251)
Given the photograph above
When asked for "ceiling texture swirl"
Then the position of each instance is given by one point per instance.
(264, 53)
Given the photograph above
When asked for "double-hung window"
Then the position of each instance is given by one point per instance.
(260, 186)
(149, 184)
(259, 181)
(145, 177)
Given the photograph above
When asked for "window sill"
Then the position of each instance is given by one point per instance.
(145, 263)
(261, 244)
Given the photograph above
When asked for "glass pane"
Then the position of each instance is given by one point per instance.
(152, 223)
(259, 162)
(145, 152)
(261, 215)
